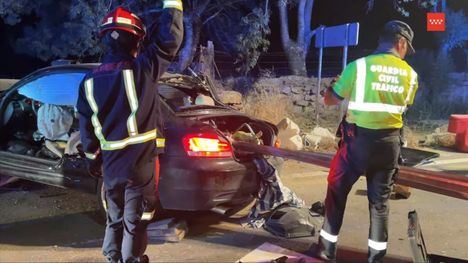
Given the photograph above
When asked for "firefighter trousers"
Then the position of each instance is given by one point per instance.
(130, 207)
(375, 155)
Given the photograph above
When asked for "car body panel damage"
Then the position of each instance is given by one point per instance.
(187, 182)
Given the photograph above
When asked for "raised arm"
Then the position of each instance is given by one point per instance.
(165, 37)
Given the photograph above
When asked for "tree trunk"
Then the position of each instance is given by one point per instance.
(205, 63)
(296, 51)
(296, 60)
(192, 28)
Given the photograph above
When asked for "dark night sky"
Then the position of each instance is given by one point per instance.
(326, 12)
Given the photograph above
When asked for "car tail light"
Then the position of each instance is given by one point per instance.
(206, 145)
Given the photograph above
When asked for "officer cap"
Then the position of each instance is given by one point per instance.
(396, 27)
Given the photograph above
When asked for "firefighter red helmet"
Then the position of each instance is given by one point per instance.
(122, 19)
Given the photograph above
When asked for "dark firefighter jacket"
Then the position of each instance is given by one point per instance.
(118, 101)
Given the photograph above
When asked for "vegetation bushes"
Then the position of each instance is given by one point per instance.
(433, 100)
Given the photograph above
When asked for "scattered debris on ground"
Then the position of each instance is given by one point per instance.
(400, 192)
(291, 222)
(268, 252)
(272, 193)
(170, 230)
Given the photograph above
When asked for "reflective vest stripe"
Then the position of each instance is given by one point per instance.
(90, 156)
(376, 107)
(377, 245)
(120, 144)
(129, 84)
(360, 80)
(147, 215)
(329, 237)
(160, 142)
(177, 4)
(413, 78)
(358, 103)
(89, 90)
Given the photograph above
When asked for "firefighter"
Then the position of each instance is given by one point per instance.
(118, 109)
(379, 87)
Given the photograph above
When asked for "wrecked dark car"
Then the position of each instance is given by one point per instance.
(199, 169)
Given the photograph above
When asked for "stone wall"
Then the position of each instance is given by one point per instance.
(301, 90)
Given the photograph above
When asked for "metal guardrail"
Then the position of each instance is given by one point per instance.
(435, 182)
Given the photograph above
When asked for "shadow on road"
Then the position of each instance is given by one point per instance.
(81, 231)
(209, 228)
(72, 230)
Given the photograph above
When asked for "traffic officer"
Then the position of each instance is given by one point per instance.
(379, 87)
(118, 108)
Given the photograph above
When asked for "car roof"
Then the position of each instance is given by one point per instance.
(90, 66)
(80, 67)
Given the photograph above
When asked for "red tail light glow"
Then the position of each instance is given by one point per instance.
(206, 145)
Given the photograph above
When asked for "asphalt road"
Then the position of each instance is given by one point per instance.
(44, 224)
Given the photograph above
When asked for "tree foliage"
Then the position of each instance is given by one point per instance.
(252, 41)
(456, 31)
(403, 6)
(59, 29)
(62, 29)
(242, 32)
(239, 27)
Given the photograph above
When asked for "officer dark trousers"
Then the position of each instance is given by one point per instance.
(373, 153)
(130, 206)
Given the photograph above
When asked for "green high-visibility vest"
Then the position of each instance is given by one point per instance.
(379, 88)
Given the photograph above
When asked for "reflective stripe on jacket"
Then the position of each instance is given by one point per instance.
(118, 101)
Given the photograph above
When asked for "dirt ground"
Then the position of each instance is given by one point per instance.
(45, 224)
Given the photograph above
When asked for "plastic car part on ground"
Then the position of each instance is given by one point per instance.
(291, 222)
(415, 157)
(170, 230)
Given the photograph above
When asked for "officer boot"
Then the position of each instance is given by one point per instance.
(144, 259)
(326, 250)
(114, 258)
(375, 256)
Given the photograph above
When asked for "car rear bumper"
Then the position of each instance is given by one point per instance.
(194, 184)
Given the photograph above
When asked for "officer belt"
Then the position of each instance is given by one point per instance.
(377, 132)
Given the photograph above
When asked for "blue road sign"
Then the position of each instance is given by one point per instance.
(337, 36)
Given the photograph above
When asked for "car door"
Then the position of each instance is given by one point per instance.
(56, 86)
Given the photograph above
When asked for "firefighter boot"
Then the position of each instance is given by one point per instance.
(326, 250)
(375, 256)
